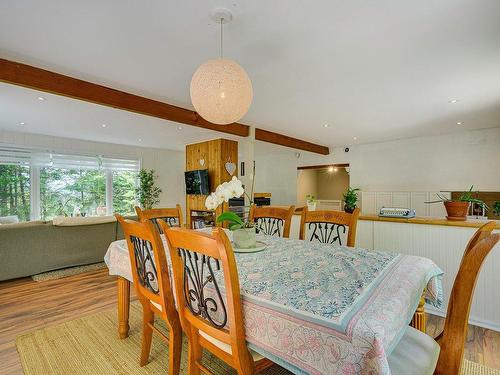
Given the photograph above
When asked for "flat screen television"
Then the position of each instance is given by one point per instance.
(197, 182)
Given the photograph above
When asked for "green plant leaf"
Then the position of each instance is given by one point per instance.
(231, 217)
(236, 226)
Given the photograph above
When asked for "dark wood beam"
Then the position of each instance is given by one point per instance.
(55, 83)
(43, 80)
(284, 140)
(323, 166)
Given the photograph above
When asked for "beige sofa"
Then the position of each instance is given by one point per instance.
(39, 246)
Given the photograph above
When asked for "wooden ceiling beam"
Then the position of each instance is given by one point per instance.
(44, 80)
(55, 83)
(284, 140)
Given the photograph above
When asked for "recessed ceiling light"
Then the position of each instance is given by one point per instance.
(179, 127)
(459, 123)
(452, 101)
(355, 138)
(21, 123)
(41, 98)
(140, 139)
(326, 126)
(104, 125)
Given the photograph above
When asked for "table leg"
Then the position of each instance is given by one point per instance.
(123, 306)
(419, 320)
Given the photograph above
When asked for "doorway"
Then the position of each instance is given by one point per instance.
(326, 183)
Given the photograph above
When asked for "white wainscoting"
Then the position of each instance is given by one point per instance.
(445, 246)
(373, 201)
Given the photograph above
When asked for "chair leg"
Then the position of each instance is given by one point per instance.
(194, 356)
(175, 349)
(147, 334)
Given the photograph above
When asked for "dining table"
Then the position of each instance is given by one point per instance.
(318, 308)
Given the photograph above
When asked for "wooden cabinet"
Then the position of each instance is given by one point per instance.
(217, 156)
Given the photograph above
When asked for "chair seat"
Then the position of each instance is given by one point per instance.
(416, 354)
(227, 348)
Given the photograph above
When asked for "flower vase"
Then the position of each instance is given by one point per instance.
(244, 238)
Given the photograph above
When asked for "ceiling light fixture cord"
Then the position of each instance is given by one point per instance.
(221, 38)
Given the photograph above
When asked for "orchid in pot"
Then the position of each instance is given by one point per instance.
(243, 231)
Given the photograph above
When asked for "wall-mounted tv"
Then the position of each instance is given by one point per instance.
(197, 182)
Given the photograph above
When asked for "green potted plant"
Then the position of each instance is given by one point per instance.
(496, 208)
(244, 236)
(457, 209)
(147, 191)
(311, 202)
(350, 200)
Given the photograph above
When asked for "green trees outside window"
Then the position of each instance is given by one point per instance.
(62, 190)
(15, 191)
(124, 192)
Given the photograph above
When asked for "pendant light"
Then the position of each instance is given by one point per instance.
(221, 91)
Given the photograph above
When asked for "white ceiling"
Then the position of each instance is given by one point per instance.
(375, 70)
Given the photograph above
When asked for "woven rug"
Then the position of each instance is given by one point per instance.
(89, 345)
(65, 272)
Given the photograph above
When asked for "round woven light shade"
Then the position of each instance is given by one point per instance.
(221, 91)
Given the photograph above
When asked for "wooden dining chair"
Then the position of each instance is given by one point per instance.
(329, 226)
(272, 221)
(172, 216)
(200, 262)
(153, 288)
(417, 353)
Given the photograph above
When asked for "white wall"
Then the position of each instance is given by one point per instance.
(276, 172)
(169, 165)
(446, 162)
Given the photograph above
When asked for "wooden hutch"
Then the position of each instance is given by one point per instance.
(219, 157)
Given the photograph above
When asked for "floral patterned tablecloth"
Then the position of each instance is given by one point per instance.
(324, 309)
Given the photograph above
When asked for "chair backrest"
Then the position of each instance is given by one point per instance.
(171, 216)
(149, 266)
(200, 262)
(329, 226)
(272, 221)
(457, 316)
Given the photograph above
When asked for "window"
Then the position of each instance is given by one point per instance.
(68, 191)
(15, 191)
(42, 185)
(124, 192)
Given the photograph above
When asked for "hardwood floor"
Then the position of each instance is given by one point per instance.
(26, 305)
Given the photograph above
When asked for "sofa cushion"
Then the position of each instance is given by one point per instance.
(63, 221)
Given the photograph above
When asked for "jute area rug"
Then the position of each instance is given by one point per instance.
(90, 345)
(65, 272)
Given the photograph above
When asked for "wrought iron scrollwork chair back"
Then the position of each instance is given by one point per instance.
(172, 216)
(329, 226)
(200, 262)
(272, 221)
(153, 287)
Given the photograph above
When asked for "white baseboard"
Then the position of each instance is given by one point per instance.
(475, 322)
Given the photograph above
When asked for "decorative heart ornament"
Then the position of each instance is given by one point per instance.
(230, 168)
(202, 162)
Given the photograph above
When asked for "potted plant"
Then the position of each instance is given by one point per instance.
(350, 200)
(311, 202)
(457, 209)
(148, 192)
(244, 236)
(496, 208)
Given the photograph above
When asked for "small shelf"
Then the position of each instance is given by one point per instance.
(202, 219)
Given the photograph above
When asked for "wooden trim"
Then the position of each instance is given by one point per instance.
(284, 140)
(431, 221)
(323, 166)
(55, 83)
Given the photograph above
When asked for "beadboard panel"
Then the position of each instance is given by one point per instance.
(445, 246)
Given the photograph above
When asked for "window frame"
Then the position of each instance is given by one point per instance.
(35, 202)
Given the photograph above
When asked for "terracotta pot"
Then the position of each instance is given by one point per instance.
(456, 211)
